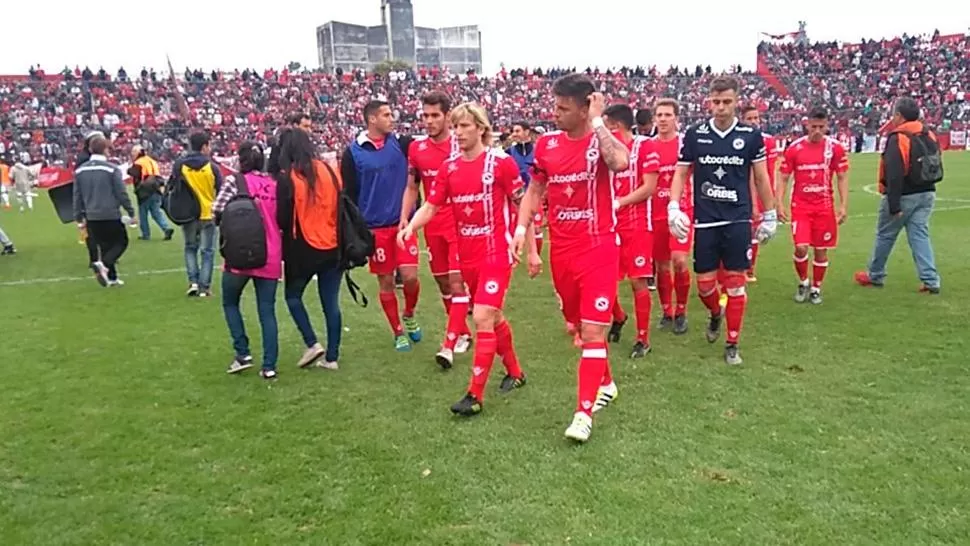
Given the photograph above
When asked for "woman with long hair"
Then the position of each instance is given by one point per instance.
(308, 197)
(263, 190)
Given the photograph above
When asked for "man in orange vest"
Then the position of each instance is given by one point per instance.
(910, 167)
(146, 178)
(4, 183)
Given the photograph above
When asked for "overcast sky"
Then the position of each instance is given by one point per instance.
(530, 33)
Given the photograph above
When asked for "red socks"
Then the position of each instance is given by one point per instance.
(707, 291)
(411, 291)
(737, 300)
(642, 302)
(619, 315)
(457, 320)
(818, 273)
(503, 339)
(801, 267)
(592, 370)
(389, 304)
(682, 287)
(665, 289)
(486, 346)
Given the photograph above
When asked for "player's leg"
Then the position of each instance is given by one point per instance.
(801, 232)
(596, 280)
(638, 265)
(707, 261)
(382, 265)
(560, 267)
(437, 246)
(678, 252)
(619, 315)
(663, 273)
(407, 263)
(736, 257)
(825, 235)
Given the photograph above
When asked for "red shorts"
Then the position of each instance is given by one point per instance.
(443, 250)
(488, 283)
(814, 228)
(585, 282)
(665, 244)
(636, 254)
(387, 255)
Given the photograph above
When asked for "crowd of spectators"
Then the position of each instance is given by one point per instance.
(43, 117)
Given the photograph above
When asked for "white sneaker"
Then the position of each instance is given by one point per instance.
(581, 427)
(605, 396)
(445, 358)
(193, 290)
(311, 355)
(116, 282)
(327, 365)
(463, 343)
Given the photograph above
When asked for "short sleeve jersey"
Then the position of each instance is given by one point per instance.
(814, 164)
(643, 160)
(668, 152)
(426, 156)
(480, 192)
(722, 162)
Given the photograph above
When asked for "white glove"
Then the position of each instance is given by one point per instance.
(616, 204)
(678, 221)
(768, 226)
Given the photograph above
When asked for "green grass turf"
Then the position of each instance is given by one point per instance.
(846, 425)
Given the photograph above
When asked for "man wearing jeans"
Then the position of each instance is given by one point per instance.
(203, 176)
(907, 199)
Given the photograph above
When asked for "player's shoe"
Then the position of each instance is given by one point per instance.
(640, 350)
(581, 427)
(616, 330)
(801, 295)
(714, 327)
(665, 323)
(115, 283)
(239, 364)
(467, 406)
(413, 328)
(100, 273)
(815, 297)
(402, 344)
(751, 276)
(268, 374)
(732, 356)
(8, 250)
(463, 343)
(680, 325)
(605, 396)
(445, 358)
(510, 383)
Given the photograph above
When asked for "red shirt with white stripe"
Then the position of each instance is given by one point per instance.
(814, 164)
(578, 190)
(426, 157)
(644, 159)
(480, 192)
(668, 152)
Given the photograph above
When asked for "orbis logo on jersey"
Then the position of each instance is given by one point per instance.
(716, 192)
(574, 215)
(475, 231)
(730, 160)
(663, 193)
(815, 188)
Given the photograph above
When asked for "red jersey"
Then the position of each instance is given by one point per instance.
(426, 156)
(668, 152)
(643, 160)
(480, 193)
(578, 190)
(771, 145)
(814, 164)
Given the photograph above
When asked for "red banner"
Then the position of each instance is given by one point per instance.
(52, 177)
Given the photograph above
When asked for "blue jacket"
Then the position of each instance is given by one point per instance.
(524, 156)
(376, 179)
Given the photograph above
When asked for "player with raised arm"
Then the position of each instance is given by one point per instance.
(480, 184)
(572, 166)
(750, 115)
(815, 221)
(670, 252)
(426, 156)
(633, 188)
(723, 152)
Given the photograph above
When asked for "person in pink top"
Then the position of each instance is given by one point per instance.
(265, 279)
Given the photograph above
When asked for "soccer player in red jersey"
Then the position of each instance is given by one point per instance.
(426, 155)
(669, 252)
(815, 221)
(633, 188)
(573, 167)
(750, 115)
(481, 184)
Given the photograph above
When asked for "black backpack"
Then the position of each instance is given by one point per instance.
(355, 242)
(925, 159)
(242, 235)
(179, 202)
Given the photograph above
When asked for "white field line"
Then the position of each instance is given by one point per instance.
(871, 190)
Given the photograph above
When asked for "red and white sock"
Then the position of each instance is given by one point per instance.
(801, 267)
(592, 370)
(457, 320)
(389, 304)
(709, 295)
(818, 273)
(412, 289)
(506, 350)
(642, 304)
(665, 290)
(737, 301)
(682, 288)
(486, 346)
